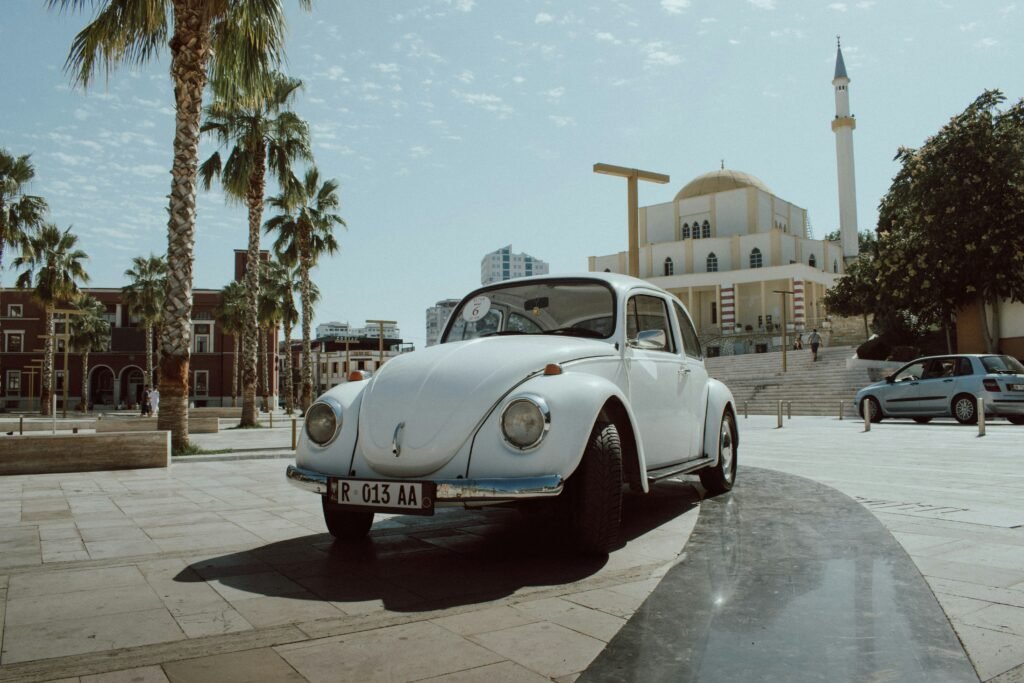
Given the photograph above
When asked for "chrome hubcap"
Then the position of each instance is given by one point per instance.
(726, 451)
(964, 409)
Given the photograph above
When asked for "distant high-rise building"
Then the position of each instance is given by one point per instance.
(504, 265)
(437, 316)
(345, 331)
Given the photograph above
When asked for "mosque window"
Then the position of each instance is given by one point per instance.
(811, 261)
(669, 266)
(835, 265)
(712, 263)
(755, 258)
(706, 229)
(686, 231)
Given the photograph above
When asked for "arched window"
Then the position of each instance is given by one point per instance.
(835, 265)
(686, 231)
(706, 229)
(755, 258)
(669, 266)
(811, 261)
(712, 263)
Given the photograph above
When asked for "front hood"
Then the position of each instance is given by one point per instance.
(439, 395)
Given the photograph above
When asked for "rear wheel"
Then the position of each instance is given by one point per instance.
(922, 420)
(965, 409)
(873, 407)
(720, 478)
(1016, 419)
(597, 491)
(348, 526)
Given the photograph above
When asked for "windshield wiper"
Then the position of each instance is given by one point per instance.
(502, 333)
(576, 332)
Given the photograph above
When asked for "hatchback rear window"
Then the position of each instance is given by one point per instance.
(1002, 365)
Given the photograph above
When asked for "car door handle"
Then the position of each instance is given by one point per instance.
(946, 381)
(683, 372)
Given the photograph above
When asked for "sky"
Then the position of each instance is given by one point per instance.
(456, 127)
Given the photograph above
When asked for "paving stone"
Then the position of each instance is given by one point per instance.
(549, 649)
(74, 580)
(145, 674)
(591, 622)
(40, 609)
(212, 623)
(1002, 618)
(237, 667)
(292, 609)
(502, 672)
(992, 652)
(484, 620)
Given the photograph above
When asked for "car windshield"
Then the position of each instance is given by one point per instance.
(579, 308)
(1002, 365)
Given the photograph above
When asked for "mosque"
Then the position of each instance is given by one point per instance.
(726, 245)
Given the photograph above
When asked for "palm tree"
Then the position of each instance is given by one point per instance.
(275, 288)
(230, 315)
(90, 331)
(262, 134)
(144, 296)
(305, 227)
(289, 318)
(19, 212)
(53, 269)
(231, 41)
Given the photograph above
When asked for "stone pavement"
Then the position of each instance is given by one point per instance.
(217, 569)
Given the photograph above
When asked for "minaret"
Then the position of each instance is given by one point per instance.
(843, 125)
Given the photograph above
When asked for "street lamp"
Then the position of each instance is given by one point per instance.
(381, 324)
(785, 324)
(632, 175)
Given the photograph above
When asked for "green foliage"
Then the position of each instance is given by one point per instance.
(52, 265)
(144, 293)
(19, 212)
(865, 239)
(90, 331)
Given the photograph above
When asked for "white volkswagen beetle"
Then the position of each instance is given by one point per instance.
(544, 387)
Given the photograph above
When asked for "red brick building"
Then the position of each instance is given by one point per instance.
(116, 377)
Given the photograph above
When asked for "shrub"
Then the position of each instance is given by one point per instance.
(873, 349)
(904, 353)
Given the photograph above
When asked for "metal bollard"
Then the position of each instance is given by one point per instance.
(21, 424)
(74, 430)
(981, 416)
(867, 416)
(271, 419)
(294, 431)
(780, 415)
(789, 410)
(841, 404)
(745, 410)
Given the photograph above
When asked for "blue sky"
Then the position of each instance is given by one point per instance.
(456, 127)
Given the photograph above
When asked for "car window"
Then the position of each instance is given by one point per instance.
(1007, 365)
(963, 367)
(520, 323)
(939, 367)
(691, 343)
(909, 373)
(646, 316)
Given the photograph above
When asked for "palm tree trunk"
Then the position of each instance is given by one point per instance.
(266, 373)
(190, 53)
(289, 388)
(46, 381)
(234, 372)
(85, 381)
(158, 329)
(149, 355)
(306, 395)
(254, 201)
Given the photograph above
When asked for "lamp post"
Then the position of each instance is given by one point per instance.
(381, 324)
(784, 293)
(632, 175)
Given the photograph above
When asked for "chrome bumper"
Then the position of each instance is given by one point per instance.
(454, 490)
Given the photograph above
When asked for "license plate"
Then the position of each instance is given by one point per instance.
(408, 497)
(1015, 387)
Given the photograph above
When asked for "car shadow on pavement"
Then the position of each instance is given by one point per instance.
(456, 557)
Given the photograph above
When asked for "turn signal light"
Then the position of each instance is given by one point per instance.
(991, 385)
(552, 369)
(356, 376)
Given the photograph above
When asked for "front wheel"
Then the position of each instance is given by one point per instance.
(873, 407)
(597, 490)
(965, 409)
(348, 526)
(1016, 419)
(720, 477)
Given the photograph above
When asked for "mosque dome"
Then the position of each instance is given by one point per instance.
(720, 180)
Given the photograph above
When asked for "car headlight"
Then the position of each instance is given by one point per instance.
(525, 421)
(323, 421)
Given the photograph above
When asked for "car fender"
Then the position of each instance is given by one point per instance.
(720, 399)
(335, 458)
(575, 401)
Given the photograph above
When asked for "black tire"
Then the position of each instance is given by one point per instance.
(964, 408)
(720, 477)
(922, 420)
(1016, 419)
(347, 526)
(874, 406)
(597, 492)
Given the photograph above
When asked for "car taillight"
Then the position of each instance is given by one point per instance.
(991, 385)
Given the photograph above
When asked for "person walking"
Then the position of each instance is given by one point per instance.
(154, 401)
(146, 406)
(798, 343)
(814, 339)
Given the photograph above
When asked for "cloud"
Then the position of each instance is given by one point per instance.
(555, 93)
(485, 101)
(969, 27)
(466, 76)
(70, 159)
(838, 6)
(419, 151)
(606, 37)
(335, 73)
(543, 18)
(518, 79)
(462, 5)
(987, 42)
(657, 54)
(562, 121)
(675, 6)
(709, 20)
(763, 4)
(386, 68)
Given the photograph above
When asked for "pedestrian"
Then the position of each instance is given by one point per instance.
(154, 401)
(798, 343)
(814, 339)
(145, 407)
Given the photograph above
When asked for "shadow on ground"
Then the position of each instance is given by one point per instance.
(456, 557)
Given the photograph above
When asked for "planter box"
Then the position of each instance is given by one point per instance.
(49, 453)
(196, 425)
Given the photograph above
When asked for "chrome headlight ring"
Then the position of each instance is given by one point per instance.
(323, 421)
(525, 421)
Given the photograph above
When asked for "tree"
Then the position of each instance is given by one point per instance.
(855, 294)
(865, 239)
(262, 134)
(275, 287)
(19, 212)
(52, 269)
(951, 227)
(230, 314)
(228, 41)
(90, 331)
(305, 232)
(289, 318)
(144, 296)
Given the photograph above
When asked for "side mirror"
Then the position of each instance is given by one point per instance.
(889, 379)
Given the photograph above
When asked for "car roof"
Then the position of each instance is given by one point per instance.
(617, 281)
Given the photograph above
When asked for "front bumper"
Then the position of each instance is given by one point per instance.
(454, 490)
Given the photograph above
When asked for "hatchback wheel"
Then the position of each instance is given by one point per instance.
(965, 409)
(874, 409)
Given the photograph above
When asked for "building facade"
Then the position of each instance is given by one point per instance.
(504, 265)
(342, 330)
(437, 317)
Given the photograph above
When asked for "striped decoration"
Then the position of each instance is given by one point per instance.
(728, 308)
(798, 302)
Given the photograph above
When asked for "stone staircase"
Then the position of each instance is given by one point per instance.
(813, 388)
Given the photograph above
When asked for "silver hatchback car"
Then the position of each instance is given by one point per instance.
(948, 386)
